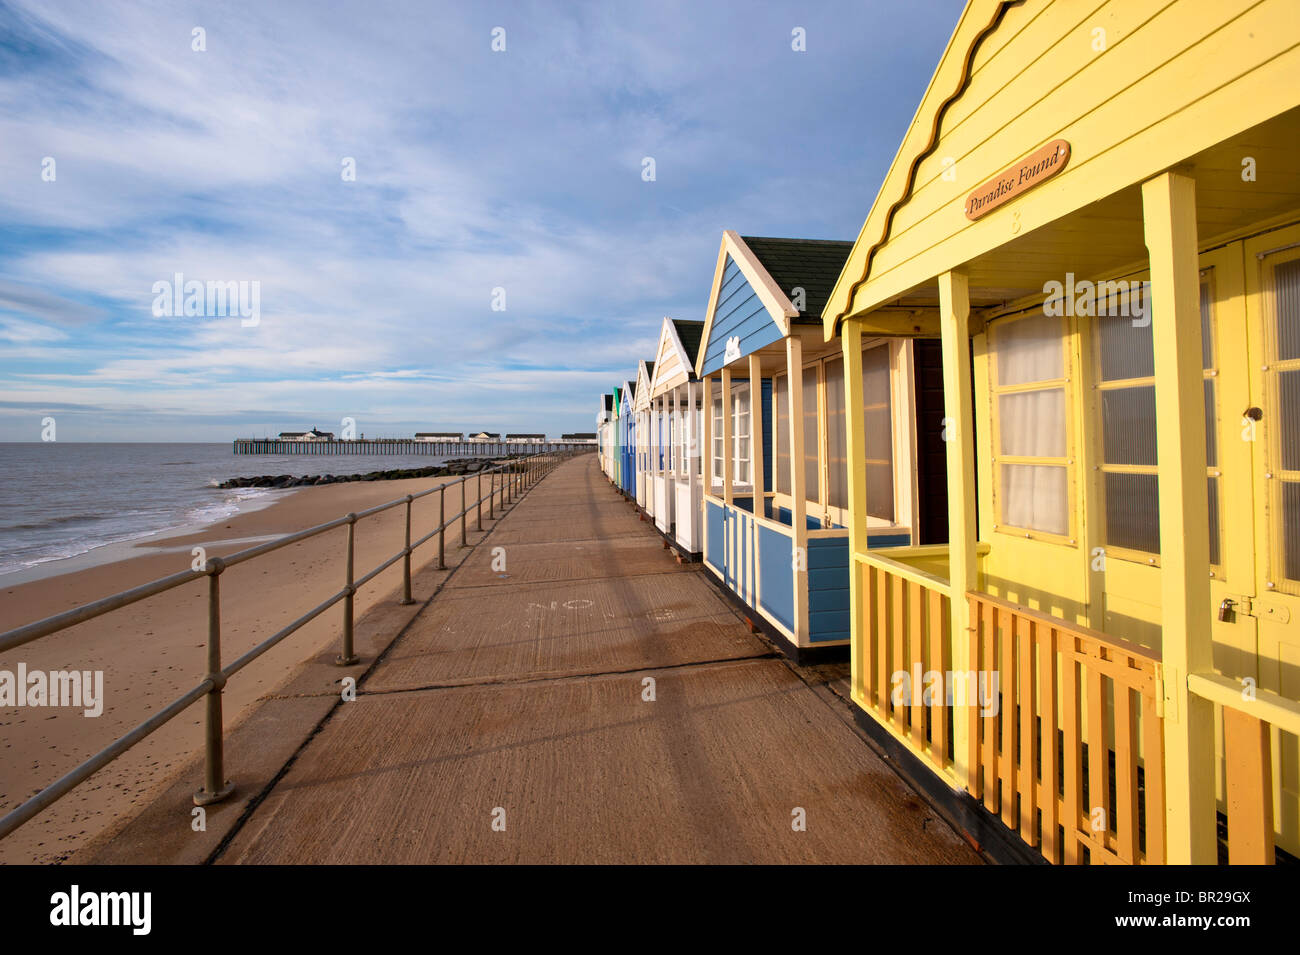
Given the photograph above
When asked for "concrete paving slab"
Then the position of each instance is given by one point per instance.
(720, 768)
(484, 634)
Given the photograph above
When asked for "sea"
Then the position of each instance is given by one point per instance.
(61, 500)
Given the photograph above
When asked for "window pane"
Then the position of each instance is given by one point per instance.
(1288, 412)
(781, 434)
(1214, 521)
(1207, 327)
(1133, 512)
(715, 467)
(1033, 423)
(811, 449)
(740, 435)
(878, 423)
(1033, 496)
(1124, 349)
(1128, 425)
(1029, 349)
(1211, 438)
(1286, 279)
(836, 454)
(1291, 530)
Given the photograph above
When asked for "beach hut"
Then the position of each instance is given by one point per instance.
(675, 396)
(627, 439)
(646, 436)
(775, 495)
(605, 434)
(1097, 215)
(616, 431)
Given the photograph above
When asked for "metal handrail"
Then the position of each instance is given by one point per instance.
(515, 478)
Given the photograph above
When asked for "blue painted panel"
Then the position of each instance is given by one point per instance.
(739, 313)
(828, 589)
(715, 542)
(888, 540)
(822, 627)
(775, 565)
(744, 503)
(785, 517)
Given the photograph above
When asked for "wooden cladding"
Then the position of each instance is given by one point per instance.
(1038, 167)
(1073, 760)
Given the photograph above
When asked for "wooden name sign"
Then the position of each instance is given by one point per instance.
(1035, 168)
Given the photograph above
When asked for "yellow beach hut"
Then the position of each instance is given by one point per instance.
(775, 499)
(675, 473)
(1096, 211)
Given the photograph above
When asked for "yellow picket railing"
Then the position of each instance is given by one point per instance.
(1073, 758)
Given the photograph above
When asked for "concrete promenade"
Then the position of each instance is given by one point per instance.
(572, 694)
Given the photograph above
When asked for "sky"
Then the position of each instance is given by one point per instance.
(441, 236)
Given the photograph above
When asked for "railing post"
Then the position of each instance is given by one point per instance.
(464, 511)
(406, 559)
(492, 494)
(347, 658)
(215, 786)
(478, 504)
(442, 527)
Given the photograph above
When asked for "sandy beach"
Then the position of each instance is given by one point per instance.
(153, 651)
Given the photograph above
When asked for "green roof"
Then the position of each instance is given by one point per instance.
(691, 334)
(811, 264)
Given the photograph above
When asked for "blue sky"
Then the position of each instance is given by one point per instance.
(475, 170)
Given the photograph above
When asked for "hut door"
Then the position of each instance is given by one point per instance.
(1231, 464)
(1271, 425)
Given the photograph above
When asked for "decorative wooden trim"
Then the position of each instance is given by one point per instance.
(670, 340)
(925, 151)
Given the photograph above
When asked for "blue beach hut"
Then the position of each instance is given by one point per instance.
(627, 439)
(775, 495)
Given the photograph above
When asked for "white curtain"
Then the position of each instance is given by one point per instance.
(1032, 424)
(811, 440)
(878, 425)
(837, 459)
(781, 432)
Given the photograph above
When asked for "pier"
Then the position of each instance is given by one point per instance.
(406, 446)
(567, 692)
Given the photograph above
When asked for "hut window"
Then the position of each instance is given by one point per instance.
(837, 474)
(781, 432)
(811, 436)
(1283, 337)
(670, 437)
(1029, 406)
(878, 423)
(740, 434)
(1126, 408)
(715, 467)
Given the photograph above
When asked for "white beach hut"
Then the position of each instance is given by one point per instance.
(675, 403)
